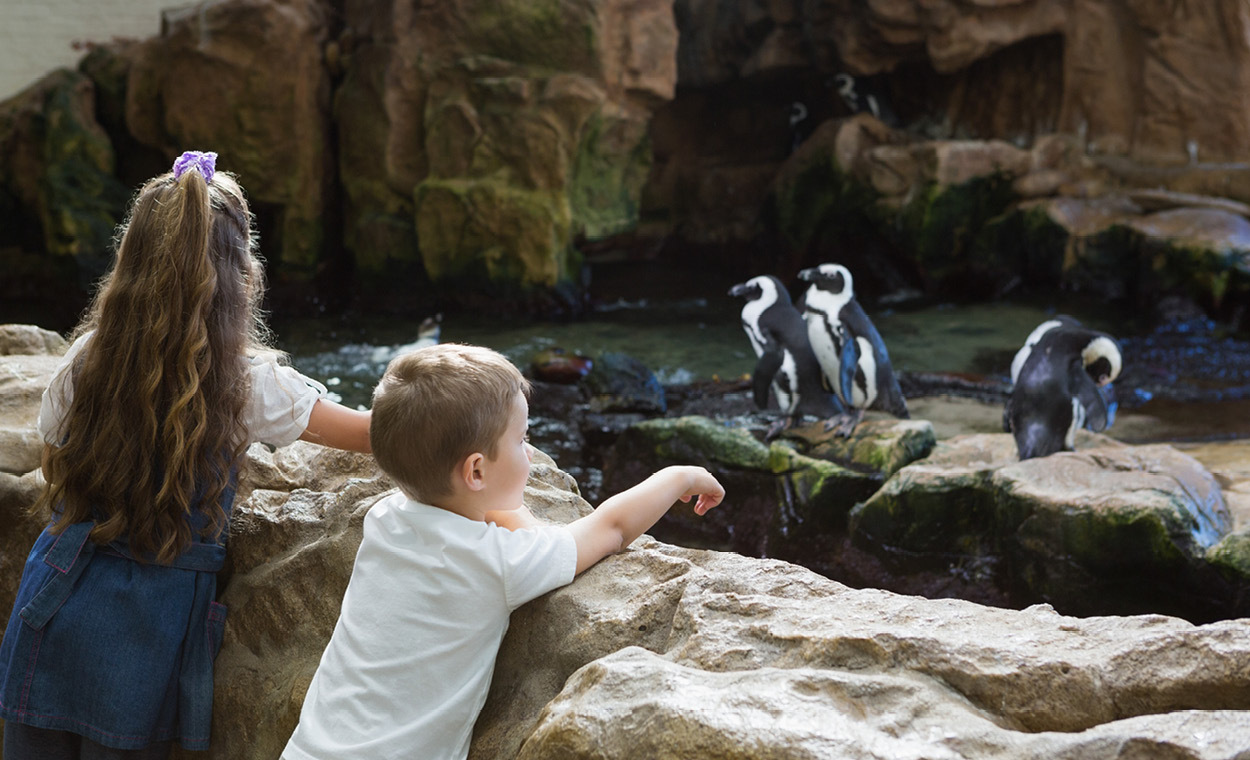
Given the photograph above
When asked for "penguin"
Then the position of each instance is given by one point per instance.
(852, 355)
(798, 130)
(859, 98)
(428, 333)
(1061, 381)
(785, 359)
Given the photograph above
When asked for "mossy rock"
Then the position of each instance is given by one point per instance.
(1231, 556)
(882, 445)
(546, 34)
(941, 226)
(378, 224)
(1133, 524)
(820, 196)
(493, 233)
(609, 170)
(777, 502)
(72, 191)
(941, 505)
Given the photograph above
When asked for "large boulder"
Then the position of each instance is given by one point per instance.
(1106, 528)
(245, 78)
(479, 139)
(28, 357)
(59, 200)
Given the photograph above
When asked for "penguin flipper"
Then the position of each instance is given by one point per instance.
(1090, 397)
(765, 370)
(849, 365)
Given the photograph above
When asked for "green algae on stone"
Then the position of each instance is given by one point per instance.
(73, 194)
(547, 34)
(821, 195)
(941, 504)
(492, 231)
(940, 224)
(880, 446)
(701, 439)
(608, 173)
(1231, 556)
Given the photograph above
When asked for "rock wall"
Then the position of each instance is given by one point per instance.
(412, 155)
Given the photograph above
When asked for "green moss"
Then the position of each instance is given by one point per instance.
(941, 224)
(492, 232)
(548, 34)
(1024, 242)
(1231, 557)
(700, 439)
(819, 196)
(949, 514)
(609, 170)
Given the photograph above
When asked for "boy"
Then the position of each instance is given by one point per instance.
(409, 664)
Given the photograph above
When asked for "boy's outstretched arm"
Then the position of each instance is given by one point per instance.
(627, 515)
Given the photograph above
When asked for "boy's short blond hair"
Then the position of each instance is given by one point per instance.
(434, 407)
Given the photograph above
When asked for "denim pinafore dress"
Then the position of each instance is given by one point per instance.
(117, 650)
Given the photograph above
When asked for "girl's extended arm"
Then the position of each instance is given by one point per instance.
(625, 516)
(332, 424)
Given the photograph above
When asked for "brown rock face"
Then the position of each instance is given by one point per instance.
(245, 78)
(497, 132)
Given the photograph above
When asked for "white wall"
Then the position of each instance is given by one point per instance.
(36, 36)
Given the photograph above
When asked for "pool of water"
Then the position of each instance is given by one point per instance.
(681, 340)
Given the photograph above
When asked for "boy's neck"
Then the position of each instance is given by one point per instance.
(460, 504)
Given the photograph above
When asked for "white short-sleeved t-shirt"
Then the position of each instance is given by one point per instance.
(409, 665)
(277, 412)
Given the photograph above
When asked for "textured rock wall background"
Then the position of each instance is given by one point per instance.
(470, 151)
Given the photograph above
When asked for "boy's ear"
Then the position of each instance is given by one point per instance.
(473, 472)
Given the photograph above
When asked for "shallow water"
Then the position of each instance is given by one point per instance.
(682, 340)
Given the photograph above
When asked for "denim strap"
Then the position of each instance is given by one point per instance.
(66, 556)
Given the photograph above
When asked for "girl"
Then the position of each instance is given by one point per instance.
(109, 651)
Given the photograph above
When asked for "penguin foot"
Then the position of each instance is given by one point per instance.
(776, 429)
(844, 424)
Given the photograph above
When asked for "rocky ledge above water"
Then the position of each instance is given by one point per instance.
(663, 651)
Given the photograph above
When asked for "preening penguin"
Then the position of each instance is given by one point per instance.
(851, 353)
(785, 359)
(1061, 382)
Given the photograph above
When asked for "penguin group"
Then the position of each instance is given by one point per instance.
(823, 357)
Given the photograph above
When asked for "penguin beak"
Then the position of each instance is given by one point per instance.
(738, 290)
(807, 275)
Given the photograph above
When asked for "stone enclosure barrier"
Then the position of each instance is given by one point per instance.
(668, 652)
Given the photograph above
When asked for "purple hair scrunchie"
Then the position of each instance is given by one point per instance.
(204, 163)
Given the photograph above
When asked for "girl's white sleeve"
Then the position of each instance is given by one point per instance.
(59, 394)
(282, 400)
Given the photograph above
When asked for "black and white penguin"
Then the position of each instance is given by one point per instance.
(800, 127)
(785, 359)
(860, 98)
(849, 348)
(1061, 381)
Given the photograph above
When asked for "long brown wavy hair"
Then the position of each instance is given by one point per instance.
(155, 425)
